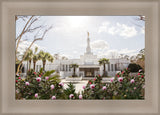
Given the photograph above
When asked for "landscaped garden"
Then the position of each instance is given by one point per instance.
(42, 86)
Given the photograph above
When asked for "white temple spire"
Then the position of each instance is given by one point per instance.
(88, 49)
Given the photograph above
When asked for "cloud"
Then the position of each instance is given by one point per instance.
(118, 29)
(99, 44)
(103, 27)
(126, 51)
(25, 44)
(114, 53)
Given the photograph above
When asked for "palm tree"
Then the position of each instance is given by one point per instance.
(103, 62)
(35, 58)
(74, 66)
(29, 57)
(44, 56)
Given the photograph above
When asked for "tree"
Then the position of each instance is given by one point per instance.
(139, 58)
(133, 67)
(103, 62)
(74, 66)
(35, 58)
(44, 56)
(29, 57)
(38, 33)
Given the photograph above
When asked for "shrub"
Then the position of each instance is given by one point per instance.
(133, 67)
(122, 86)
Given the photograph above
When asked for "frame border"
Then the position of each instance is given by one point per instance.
(10, 8)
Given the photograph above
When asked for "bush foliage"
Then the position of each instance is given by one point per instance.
(122, 86)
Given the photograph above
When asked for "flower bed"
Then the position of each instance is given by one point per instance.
(122, 86)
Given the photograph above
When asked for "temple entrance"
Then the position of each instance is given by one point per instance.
(89, 72)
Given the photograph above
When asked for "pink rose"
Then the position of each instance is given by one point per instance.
(35, 73)
(27, 83)
(53, 97)
(112, 79)
(84, 87)
(19, 77)
(94, 79)
(139, 73)
(120, 79)
(71, 96)
(38, 79)
(52, 87)
(122, 72)
(80, 97)
(46, 78)
(135, 88)
(92, 86)
(142, 76)
(36, 95)
(61, 84)
(132, 81)
(104, 87)
(39, 75)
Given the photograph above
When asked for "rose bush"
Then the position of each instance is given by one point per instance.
(41, 86)
(123, 86)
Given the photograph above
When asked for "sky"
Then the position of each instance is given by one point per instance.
(109, 36)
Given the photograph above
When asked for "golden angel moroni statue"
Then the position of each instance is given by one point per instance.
(88, 34)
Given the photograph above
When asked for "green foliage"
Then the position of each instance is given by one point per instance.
(55, 78)
(48, 73)
(74, 66)
(133, 67)
(123, 86)
(116, 89)
(70, 90)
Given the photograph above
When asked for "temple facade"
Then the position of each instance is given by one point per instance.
(88, 65)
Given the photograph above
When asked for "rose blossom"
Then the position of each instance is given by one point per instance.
(140, 70)
(84, 87)
(122, 72)
(16, 81)
(94, 79)
(112, 79)
(80, 97)
(61, 84)
(135, 88)
(142, 76)
(52, 87)
(46, 78)
(104, 88)
(38, 79)
(19, 77)
(35, 73)
(17, 74)
(92, 86)
(53, 97)
(36, 95)
(71, 96)
(39, 75)
(139, 73)
(27, 83)
(117, 75)
(120, 79)
(132, 81)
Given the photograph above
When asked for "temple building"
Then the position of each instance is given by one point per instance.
(88, 65)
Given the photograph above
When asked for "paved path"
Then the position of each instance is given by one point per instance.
(78, 84)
